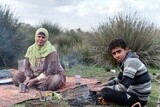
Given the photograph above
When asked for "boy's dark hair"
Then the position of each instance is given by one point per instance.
(118, 42)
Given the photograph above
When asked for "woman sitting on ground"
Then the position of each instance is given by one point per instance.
(42, 65)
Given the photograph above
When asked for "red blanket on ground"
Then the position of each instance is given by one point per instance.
(9, 94)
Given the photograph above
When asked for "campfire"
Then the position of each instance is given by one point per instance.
(80, 95)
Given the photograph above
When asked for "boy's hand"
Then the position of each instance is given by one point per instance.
(95, 88)
(102, 84)
(103, 102)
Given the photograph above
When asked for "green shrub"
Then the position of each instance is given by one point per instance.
(141, 36)
(9, 46)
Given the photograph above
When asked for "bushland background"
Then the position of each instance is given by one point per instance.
(84, 52)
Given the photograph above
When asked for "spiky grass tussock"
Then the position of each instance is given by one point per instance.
(141, 36)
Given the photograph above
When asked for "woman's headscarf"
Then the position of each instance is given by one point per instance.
(34, 51)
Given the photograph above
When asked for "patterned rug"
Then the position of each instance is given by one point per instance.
(9, 94)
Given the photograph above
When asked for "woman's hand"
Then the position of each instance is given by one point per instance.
(31, 82)
(26, 80)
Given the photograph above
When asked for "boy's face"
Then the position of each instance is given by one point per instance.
(119, 53)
